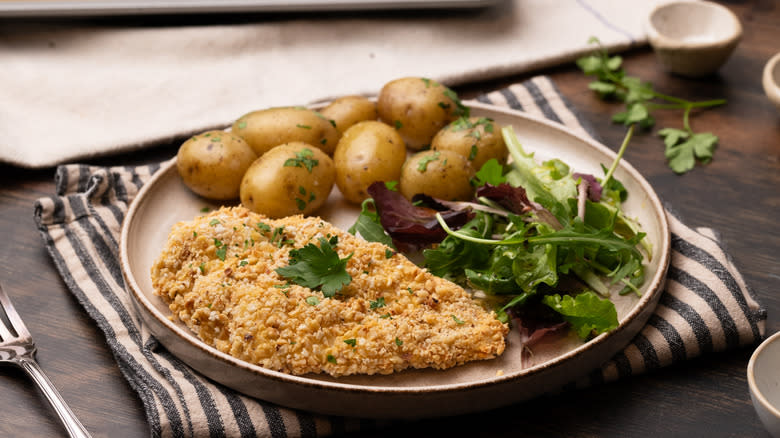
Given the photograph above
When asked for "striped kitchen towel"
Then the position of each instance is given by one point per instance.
(706, 306)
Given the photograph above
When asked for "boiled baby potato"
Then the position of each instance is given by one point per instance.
(418, 108)
(211, 164)
(476, 138)
(348, 110)
(291, 178)
(264, 129)
(368, 151)
(441, 174)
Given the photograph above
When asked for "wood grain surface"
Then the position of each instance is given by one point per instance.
(738, 195)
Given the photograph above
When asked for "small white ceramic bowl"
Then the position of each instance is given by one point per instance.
(692, 38)
(771, 80)
(763, 375)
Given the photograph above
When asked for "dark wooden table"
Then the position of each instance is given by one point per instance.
(738, 194)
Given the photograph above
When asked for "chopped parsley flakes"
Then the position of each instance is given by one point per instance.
(378, 303)
(303, 158)
(422, 166)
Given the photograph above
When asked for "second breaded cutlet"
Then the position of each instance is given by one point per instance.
(218, 275)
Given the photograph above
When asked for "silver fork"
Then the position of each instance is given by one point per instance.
(17, 347)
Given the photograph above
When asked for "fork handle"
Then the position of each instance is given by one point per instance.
(69, 420)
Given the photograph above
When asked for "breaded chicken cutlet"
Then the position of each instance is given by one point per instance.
(218, 275)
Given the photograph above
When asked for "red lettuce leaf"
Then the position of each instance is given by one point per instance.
(512, 198)
(410, 225)
(594, 188)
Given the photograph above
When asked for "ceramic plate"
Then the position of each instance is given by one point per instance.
(482, 385)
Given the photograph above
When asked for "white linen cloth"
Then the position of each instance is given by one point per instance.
(80, 89)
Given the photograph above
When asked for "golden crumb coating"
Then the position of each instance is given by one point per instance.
(217, 274)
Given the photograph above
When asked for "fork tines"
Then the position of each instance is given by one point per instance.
(11, 325)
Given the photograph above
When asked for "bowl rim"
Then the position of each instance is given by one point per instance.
(659, 38)
(751, 378)
(768, 78)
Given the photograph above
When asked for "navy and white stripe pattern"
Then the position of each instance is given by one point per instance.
(706, 306)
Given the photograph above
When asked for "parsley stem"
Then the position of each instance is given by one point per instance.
(707, 103)
(669, 98)
(619, 155)
(686, 122)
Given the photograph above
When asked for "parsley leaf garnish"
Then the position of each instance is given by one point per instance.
(683, 146)
(492, 172)
(318, 267)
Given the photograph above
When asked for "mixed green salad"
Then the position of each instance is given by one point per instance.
(543, 244)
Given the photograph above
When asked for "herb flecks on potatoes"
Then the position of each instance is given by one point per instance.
(440, 174)
(349, 110)
(292, 178)
(476, 138)
(264, 129)
(211, 164)
(418, 108)
(369, 151)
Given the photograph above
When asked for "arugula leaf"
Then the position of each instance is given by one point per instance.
(318, 267)
(368, 225)
(535, 266)
(453, 254)
(586, 312)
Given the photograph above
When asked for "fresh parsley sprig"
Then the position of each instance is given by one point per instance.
(684, 147)
(318, 267)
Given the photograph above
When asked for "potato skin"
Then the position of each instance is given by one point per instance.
(418, 108)
(212, 164)
(368, 151)
(476, 138)
(441, 174)
(292, 178)
(349, 110)
(264, 129)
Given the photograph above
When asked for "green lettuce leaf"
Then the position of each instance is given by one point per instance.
(587, 313)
